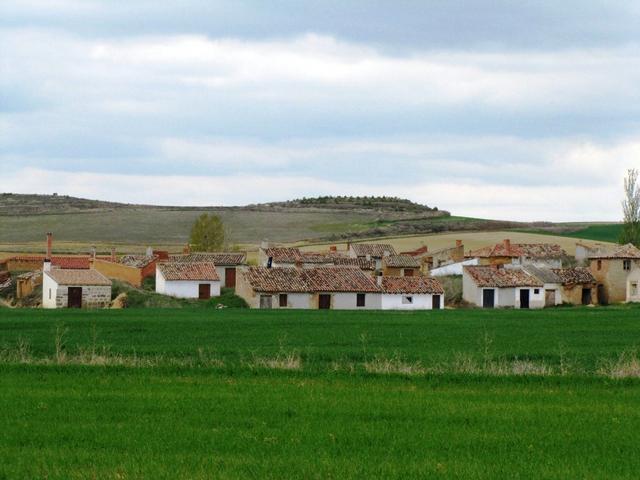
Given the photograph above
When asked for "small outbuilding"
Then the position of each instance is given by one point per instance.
(494, 286)
(65, 288)
(188, 280)
(411, 293)
(227, 264)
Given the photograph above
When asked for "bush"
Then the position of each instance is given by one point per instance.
(149, 284)
(229, 299)
(452, 289)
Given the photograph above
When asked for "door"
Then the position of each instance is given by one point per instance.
(204, 291)
(488, 298)
(602, 295)
(549, 298)
(324, 302)
(230, 277)
(75, 297)
(586, 296)
(266, 302)
(524, 298)
(436, 302)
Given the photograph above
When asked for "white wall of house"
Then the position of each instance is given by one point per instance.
(348, 301)
(294, 300)
(183, 288)
(504, 297)
(49, 292)
(557, 295)
(453, 268)
(421, 301)
(633, 285)
(536, 300)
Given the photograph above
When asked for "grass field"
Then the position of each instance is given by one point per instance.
(254, 394)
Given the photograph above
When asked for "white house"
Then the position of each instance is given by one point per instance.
(63, 288)
(227, 264)
(188, 280)
(411, 293)
(493, 286)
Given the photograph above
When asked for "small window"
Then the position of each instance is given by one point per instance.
(626, 264)
(361, 300)
(284, 300)
(599, 264)
(634, 289)
(49, 294)
(536, 291)
(407, 300)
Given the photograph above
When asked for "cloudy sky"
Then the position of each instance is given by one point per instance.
(483, 108)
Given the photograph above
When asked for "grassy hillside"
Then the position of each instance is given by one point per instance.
(229, 394)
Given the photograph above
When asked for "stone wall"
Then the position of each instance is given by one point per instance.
(92, 296)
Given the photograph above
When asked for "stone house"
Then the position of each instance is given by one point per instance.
(371, 251)
(575, 286)
(227, 264)
(431, 260)
(188, 280)
(411, 293)
(547, 255)
(497, 286)
(400, 266)
(612, 269)
(80, 288)
(339, 288)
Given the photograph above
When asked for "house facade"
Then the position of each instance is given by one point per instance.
(132, 269)
(188, 280)
(548, 255)
(227, 264)
(371, 251)
(79, 288)
(496, 286)
(400, 266)
(411, 293)
(613, 270)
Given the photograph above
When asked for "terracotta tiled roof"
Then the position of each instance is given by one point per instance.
(190, 271)
(490, 276)
(517, 250)
(375, 250)
(137, 261)
(340, 279)
(361, 263)
(411, 285)
(78, 277)
(574, 276)
(400, 261)
(622, 252)
(417, 252)
(284, 255)
(67, 262)
(219, 258)
(317, 258)
(324, 279)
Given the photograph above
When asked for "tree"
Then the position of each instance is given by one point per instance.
(631, 208)
(207, 234)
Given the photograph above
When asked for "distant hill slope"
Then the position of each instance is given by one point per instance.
(25, 218)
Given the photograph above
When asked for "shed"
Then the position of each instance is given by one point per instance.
(62, 288)
(411, 293)
(496, 286)
(227, 264)
(188, 280)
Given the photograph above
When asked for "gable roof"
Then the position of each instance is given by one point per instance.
(491, 276)
(218, 258)
(401, 261)
(415, 285)
(518, 250)
(189, 271)
(628, 251)
(137, 261)
(375, 250)
(324, 279)
(574, 276)
(545, 275)
(360, 262)
(284, 255)
(87, 277)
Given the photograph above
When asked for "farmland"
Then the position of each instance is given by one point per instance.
(233, 394)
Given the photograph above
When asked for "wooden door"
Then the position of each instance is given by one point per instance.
(524, 298)
(586, 296)
(204, 291)
(488, 298)
(549, 298)
(74, 297)
(324, 302)
(230, 277)
(436, 302)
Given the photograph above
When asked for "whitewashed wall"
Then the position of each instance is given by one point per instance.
(453, 269)
(420, 302)
(348, 301)
(49, 292)
(183, 288)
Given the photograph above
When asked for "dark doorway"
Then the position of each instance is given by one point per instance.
(586, 296)
(602, 295)
(409, 272)
(266, 302)
(230, 277)
(436, 302)
(488, 298)
(524, 298)
(75, 297)
(204, 291)
(324, 302)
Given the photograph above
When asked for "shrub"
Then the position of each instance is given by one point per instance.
(452, 289)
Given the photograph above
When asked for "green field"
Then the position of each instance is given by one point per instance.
(254, 394)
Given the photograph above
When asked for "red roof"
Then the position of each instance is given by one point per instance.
(415, 285)
(520, 250)
(324, 279)
(492, 276)
(192, 271)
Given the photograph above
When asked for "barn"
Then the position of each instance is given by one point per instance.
(188, 280)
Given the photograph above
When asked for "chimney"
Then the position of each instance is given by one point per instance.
(507, 245)
(264, 245)
(47, 259)
(93, 253)
(333, 248)
(113, 254)
(149, 252)
(379, 280)
(458, 243)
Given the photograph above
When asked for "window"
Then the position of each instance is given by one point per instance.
(407, 300)
(284, 300)
(361, 300)
(626, 264)
(536, 291)
(49, 294)
(634, 289)
(599, 264)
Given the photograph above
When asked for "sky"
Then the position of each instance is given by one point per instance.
(497, 109)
